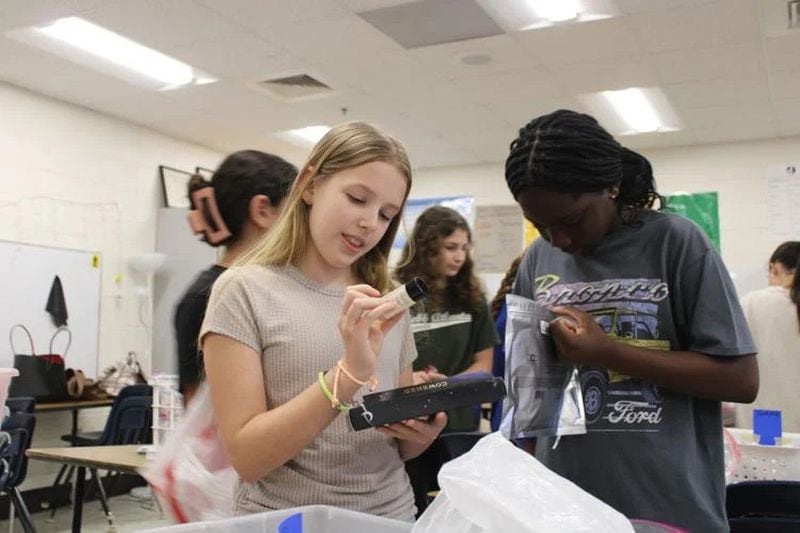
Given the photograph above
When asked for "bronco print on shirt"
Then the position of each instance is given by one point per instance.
(627, 311)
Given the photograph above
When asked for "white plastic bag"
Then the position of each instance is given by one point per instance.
(191, 473)
(498, 487)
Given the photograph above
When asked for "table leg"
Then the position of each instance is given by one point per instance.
(74, 423)
(77, 503)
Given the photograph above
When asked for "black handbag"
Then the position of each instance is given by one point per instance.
(41, 376)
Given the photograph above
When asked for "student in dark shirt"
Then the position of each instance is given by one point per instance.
(235, 210)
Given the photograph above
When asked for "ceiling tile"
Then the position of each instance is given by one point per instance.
(784, 52)
(519, 113)
(242, 55)
(703, 25)
(726, 116)
(786, 110)
(51, 75)
(606, 75)
(517, 85)
(257, 14)
(580, 43)
(644, 6)
(785, 84)
(367, 5)
(665, 139)
(160, 24)
(330, 42)
(504, 53)
(740, 132)
(15, 14)
(677, 66)
(432, 22)
(721, 92)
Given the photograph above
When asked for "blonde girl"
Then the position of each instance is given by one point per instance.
(294, 334)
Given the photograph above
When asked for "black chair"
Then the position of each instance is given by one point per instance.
(21, 404)
(128, 422)
(763, 506)
(18, 432)
(100, 438)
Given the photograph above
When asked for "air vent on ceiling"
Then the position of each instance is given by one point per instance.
(794, 13)
(292, 88)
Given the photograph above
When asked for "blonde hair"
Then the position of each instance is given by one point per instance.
(346, 146)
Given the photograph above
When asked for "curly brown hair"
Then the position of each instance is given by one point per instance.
(433, 225)
(505, 287)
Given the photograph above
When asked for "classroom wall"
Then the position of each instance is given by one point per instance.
(737, 171)
(74, 178)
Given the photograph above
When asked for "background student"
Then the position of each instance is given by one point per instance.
(293, 334)
(652, 321)
(452, 328)
(774, 318)
(248, 189)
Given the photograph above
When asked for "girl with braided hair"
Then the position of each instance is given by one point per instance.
(650, 316)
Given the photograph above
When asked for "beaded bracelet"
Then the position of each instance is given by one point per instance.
(331, 396)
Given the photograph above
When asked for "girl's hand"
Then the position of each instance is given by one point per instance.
(416, 430)
(425, 376)
(578, 337)
(362, 328)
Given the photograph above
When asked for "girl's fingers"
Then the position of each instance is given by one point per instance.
(357, 291)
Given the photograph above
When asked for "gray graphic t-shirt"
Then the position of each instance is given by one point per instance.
(649, 452)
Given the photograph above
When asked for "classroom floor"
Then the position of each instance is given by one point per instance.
(131, 513)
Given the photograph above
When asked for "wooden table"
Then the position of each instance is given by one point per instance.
(74, 406)
(114, 458)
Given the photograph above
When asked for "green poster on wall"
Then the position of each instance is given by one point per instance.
(702, 208)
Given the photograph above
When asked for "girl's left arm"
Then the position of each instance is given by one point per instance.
(415, 435)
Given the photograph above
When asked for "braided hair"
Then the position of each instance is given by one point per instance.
(570, 152)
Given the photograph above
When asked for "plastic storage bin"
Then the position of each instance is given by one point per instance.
(754, 462)
(316, 519)
(167, 407)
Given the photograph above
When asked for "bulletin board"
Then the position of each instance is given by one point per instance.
(498, 237)
(701, 208)
(783, 197)
(27, 273)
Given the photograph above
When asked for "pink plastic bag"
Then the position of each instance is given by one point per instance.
(191, 473)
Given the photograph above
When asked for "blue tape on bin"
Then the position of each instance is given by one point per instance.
(767, 425)
(293, 524)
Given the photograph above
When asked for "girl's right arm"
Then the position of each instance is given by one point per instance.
(259, 441)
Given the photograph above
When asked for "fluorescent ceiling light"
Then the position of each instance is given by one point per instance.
(119, 50)
(555, 10)
(522, 15)
(309, 134)
(633, 110)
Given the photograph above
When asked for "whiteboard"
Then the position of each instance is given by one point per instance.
(26, 277)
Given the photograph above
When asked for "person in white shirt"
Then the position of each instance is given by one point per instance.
(773, 315)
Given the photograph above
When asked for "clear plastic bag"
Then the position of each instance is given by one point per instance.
(498, 487)
(191, 473)
(544, 393)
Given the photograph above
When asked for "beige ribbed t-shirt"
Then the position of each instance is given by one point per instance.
(292, 322)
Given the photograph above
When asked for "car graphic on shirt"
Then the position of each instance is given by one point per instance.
(629, 326)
